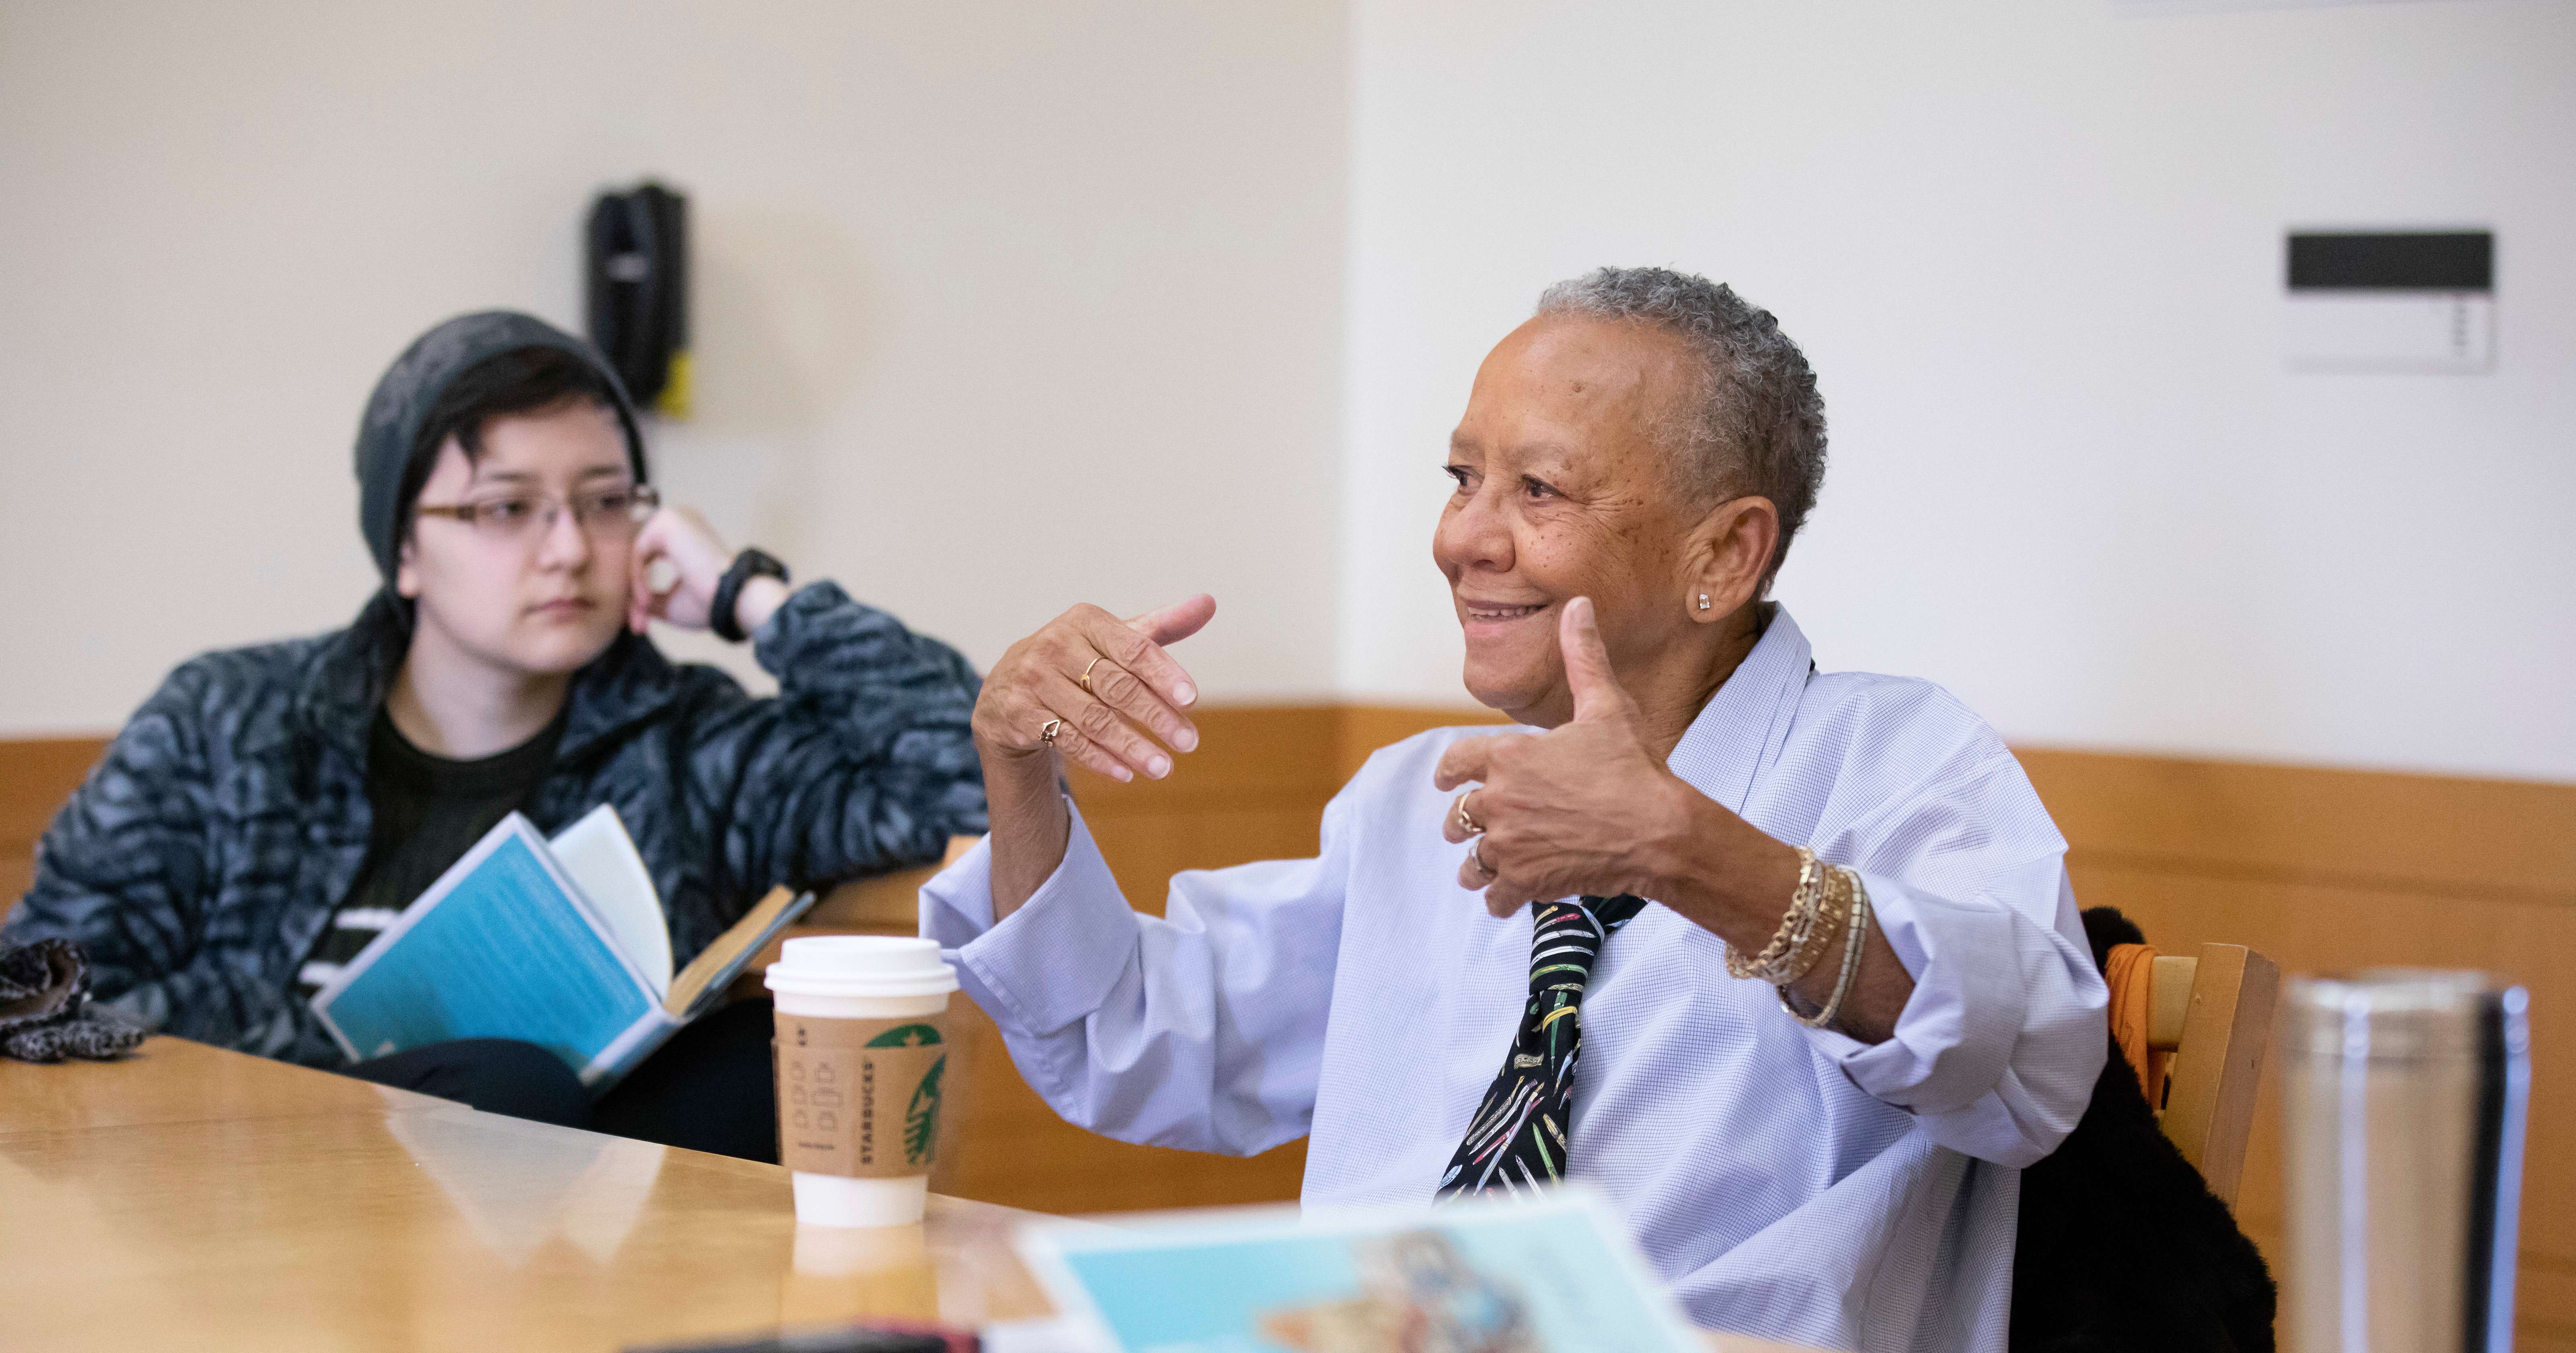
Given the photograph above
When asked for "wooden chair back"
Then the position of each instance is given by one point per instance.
(886, 904)
(2213, 1012)
(36, 776)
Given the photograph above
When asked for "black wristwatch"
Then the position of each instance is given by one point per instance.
(751, 563)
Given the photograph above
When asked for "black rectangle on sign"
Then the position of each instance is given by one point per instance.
(2417, 260)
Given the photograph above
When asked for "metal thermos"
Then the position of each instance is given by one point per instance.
(2404, 1092)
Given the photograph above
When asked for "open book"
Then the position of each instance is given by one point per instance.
(561, 944)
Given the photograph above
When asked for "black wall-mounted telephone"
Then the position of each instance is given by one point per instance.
(636, 290)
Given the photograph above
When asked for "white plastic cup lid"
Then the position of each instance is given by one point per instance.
(862, 965)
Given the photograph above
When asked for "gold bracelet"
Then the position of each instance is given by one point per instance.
(1833, 917)
(1794, 923)
(1855, 945)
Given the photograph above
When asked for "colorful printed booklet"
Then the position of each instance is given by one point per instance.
(1556, 1274)
(559, 943)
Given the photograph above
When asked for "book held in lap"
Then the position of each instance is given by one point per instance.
(559, 943)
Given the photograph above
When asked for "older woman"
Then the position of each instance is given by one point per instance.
(1858, 1000)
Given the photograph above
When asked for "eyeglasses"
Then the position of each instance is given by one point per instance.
(603, 514)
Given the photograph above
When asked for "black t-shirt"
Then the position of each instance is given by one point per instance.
(429, 811)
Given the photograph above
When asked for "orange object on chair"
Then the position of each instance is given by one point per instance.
(2128, 971)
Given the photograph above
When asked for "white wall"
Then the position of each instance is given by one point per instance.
(1000, 305)
(2033, 249)
(1005, 304)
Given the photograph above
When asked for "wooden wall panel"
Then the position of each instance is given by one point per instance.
(36, 776)
(1254, 790)
(2481, 839)
(1365, 728)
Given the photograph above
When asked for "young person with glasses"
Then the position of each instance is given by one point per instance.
(271, 810)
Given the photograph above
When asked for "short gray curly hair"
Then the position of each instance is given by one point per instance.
(1756, 425)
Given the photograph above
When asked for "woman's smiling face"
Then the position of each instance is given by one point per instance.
(1566, 488)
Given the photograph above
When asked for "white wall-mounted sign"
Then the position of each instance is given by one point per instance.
(2390, 301)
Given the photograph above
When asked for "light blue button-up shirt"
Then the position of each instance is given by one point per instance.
(1786, 1182)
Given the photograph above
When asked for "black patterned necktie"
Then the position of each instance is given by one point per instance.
(1523, 1131)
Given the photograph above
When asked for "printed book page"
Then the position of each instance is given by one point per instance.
(604, 865)
(710, 971)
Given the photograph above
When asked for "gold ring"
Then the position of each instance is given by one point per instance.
(1086, 674)
(1468, 824)
(1047, 734)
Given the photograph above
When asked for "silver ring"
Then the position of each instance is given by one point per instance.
(1476, 852)
(1047, 734)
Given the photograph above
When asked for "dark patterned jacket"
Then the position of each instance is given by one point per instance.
(203, 857)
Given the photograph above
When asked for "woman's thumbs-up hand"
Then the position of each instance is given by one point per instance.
(1572, 811)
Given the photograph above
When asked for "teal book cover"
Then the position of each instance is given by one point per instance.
(502, 946)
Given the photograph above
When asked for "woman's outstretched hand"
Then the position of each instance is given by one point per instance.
(1110, 724)
(1572, 810)
(1036, 703)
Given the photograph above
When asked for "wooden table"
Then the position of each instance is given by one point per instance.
(197, 1198)
(190, 1197)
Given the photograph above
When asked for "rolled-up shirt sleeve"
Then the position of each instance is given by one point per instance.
(1998, 1047)
(1202, 1028)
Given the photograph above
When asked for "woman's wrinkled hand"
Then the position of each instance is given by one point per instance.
(1572, 811)
(1136, 691)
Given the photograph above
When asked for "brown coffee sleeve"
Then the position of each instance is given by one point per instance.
(859, 1097)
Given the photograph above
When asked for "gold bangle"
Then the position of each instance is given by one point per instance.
(1794, 923)
(1797, 924)
(1855, 946)
(1832, 919)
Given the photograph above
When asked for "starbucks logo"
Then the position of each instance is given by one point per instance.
(921, 1115)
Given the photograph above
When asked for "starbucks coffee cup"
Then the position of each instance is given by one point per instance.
(861, 1059)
